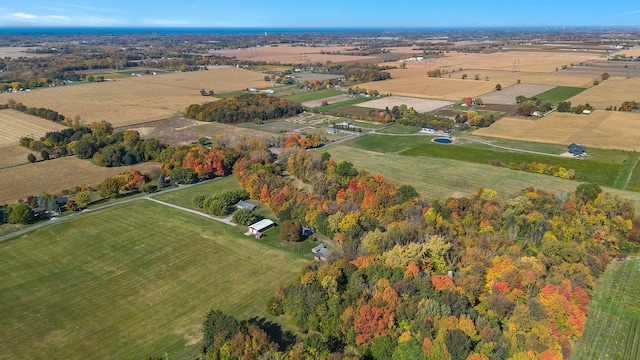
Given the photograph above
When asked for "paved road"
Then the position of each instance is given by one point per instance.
(86, 211)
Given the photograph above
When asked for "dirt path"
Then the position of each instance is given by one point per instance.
(226, 220)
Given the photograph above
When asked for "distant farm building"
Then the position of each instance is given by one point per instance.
(577, 150)
(246, 205)
(261, 226)
(333, 131)
(320, 252)
(307, 231)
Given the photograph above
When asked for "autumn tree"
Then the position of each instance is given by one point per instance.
(290, 231)
(20, 214)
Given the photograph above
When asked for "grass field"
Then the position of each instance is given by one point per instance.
(400, 129)
(560, 93)
(136, 99)
(15, 124)
(314, 95)
(338, 105)
(31, 179)
(612, 330)
(437, 178)
(604, 173)
(183, 197)
(131, 282)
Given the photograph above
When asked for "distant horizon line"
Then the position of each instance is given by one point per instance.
(226, 29)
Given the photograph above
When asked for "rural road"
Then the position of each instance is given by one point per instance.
(146, 197)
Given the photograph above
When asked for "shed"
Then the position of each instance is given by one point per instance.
(246, 205)
(318, 248)
(261, 226)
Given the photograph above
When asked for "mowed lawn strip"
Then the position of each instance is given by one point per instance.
(184, 196)
(560, 93)
(132, 281)
(612, 330)
(603, 173)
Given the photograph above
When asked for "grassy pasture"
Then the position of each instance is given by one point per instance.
(612, 330)
(183, 197)
(314, 95)
(603, 173)
(133, 281)
(400, 129)
(16, 124)
(560, 93)
(437, 178)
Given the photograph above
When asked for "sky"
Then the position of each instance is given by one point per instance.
(318, 14)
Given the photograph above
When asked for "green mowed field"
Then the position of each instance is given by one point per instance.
(400, 129)
(603, 173)
(437, 178)
(560, 93)
(612, 330)
(314, 95)
(131, 282)
(342, 104)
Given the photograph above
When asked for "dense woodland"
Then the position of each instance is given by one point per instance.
(477, 277)
(244, 108)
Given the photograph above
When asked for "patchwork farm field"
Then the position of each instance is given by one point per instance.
(600, 129)
(130, 282)
(16, 124)
(415, 83)
(560, 93)
(18, 182)
(420, 105)
(611, 92)
(137, 100)
(507, 96)
(612, 330)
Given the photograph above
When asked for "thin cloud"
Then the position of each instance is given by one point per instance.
(23, 16)
(629, 13)
(89, 8)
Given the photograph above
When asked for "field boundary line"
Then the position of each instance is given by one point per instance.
(225, 220)
(616, 184)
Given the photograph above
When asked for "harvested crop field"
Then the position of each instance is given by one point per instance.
(15, 124)
(507, 96)
(414, 82)
(611, 92)
(288, 54)
(136, 100)
(601, 129)
(420, 105)
(15, 155)
(329, 100)
(53, 176)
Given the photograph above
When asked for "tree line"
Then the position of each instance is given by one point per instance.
(243, 108)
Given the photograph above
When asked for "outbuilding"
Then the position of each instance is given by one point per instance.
(246, 205)
(261, 226)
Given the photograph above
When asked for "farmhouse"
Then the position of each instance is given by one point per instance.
(261, 226)
(307, 231)
(577, 150)
(245, 205)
